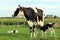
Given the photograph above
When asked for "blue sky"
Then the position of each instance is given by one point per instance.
(7, 7)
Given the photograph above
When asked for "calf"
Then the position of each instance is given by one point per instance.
(12, 31)
(48, 26)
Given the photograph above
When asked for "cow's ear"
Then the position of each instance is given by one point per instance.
(21, 9)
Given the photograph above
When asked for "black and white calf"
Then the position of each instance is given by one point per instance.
(49, 26)
(34, 16)
(12, 31)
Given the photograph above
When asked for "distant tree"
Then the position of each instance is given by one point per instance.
(55, 16)
(49, 16)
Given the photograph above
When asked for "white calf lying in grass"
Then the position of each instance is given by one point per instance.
(12, 31)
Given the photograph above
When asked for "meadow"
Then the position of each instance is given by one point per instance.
(23, 30)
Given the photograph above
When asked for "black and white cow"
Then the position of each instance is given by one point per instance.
(34, 16)
(49, 26)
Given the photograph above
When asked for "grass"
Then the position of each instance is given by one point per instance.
(24, 33)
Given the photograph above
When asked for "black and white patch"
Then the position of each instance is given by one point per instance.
(48, 26)
(12, 31)
(31, 15)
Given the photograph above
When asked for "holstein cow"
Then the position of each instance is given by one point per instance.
(34, 16)
(49, 26)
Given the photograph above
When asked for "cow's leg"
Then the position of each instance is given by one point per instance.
(43, 33)
(35, 31)
(31, 31)
(53, 31)
(30, 23)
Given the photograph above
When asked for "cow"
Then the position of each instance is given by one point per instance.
(49, 26)
(34, 16)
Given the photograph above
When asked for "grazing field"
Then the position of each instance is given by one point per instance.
(24, 33)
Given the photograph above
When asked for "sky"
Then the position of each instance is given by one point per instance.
(50, 7)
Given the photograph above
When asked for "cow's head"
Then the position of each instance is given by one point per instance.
(18, 12)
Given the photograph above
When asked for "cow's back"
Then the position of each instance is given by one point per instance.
(29, 14)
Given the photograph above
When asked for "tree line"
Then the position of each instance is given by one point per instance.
(51, 16)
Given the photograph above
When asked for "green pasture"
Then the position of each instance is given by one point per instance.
(24, 32)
